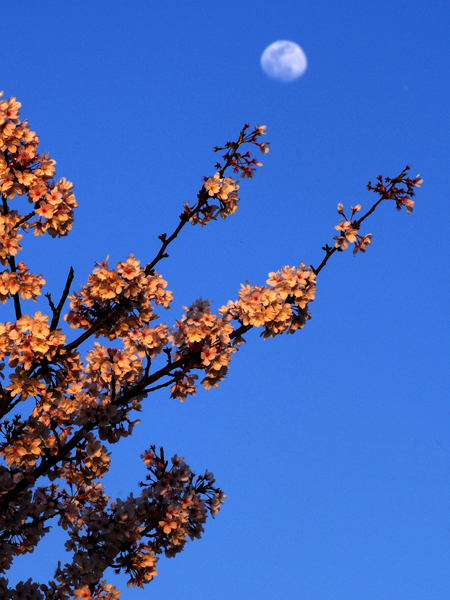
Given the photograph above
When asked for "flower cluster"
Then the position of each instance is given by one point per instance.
(111, 367)
(29, 340)
(224, 190)
(400, 189)
(120, 300)
(204, 338)
(24, 171)
(207, 341)
(22, 282)
(183, 386)
(128, 535)
(349, 232)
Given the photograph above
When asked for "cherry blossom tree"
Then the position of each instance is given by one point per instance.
(53, 459)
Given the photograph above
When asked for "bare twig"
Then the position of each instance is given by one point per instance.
(57, 311)
(50, 301)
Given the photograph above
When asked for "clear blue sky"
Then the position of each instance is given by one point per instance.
(333, 445)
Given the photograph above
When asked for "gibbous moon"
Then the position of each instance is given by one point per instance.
(283, 61)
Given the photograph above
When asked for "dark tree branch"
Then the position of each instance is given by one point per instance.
(57, 311)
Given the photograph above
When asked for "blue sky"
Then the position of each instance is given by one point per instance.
(333, 445)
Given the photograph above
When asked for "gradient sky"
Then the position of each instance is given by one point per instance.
(333, 445)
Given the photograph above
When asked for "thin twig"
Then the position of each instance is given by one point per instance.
(184, 218)
(57, 311)
(87, 334)
(158, 387)
(23, 219)
(50, 301)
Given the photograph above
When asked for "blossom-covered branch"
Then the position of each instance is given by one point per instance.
(54, 457)
(400, 190)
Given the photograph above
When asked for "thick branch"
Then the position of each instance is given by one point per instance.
(16, 298)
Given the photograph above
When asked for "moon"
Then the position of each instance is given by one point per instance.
(284, 61)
